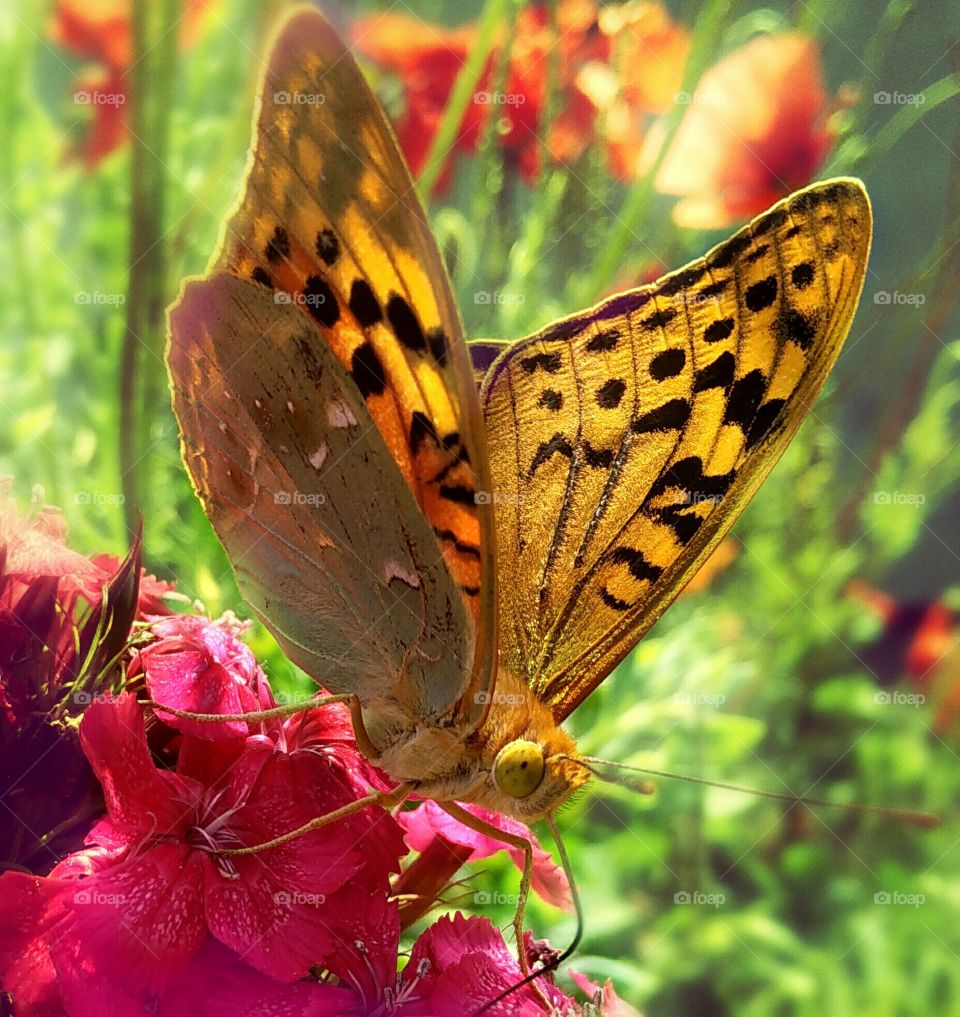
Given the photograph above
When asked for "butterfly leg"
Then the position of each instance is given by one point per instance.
(468, 819)
(386, 799)
(255, 716)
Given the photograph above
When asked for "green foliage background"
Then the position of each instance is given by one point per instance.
(760, 680)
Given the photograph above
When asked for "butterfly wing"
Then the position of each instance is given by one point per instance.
(330, 227)
(626, 440)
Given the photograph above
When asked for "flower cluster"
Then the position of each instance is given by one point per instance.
(757, 125)
(155, 906)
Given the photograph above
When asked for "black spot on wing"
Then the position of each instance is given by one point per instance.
(659, 319)
(364, 305)
(462, 494)
(718, 330)
(551, 399)
(767, 416)
(278, 246)
(549, 362)
(598, 458)
(802, 274)
(771, 221)
(718, 374)
(614, 603)
(682, 521)
(795, 326)
(761, 294)
(667, 364)
(757, 253)
(744, 400)
(682, 280)
(603, 342)
(671, 416)
(262, 276)
(321, 301)
(421, 429)
(405, 325)
(366, 369)
(439, 345)
(557, 445)
(731, 251)
(328, 246)
(637, 563)
(610, 393)
(462, 547)
(688, 475)
(714, 289)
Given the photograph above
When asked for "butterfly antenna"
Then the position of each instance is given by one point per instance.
(555, 962)
(926, 820)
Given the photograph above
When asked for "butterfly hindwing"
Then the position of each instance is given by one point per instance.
(625, 441)
(330, 228)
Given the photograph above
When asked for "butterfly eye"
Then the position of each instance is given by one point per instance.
(518, 768)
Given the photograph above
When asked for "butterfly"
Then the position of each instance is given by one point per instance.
(465, 540)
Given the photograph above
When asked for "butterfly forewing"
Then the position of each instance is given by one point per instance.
(626, 440)
(330, 227)
(329, 550)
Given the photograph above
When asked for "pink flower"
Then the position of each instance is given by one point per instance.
(429, 820)
(456, 966)
(63, 622)
(200, 666)
(140, 902)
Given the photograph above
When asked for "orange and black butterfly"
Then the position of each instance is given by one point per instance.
(469, 565)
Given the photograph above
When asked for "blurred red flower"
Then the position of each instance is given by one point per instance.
(427, 59)
(101, 32)
(756, 129)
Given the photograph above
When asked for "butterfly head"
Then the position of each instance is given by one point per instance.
(534, 775)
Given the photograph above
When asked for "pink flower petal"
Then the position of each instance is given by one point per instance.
(219, 983)
(136, 924)
(429, 820)
(199, 666)
(464, 963)
(26, 968)
(140, 799)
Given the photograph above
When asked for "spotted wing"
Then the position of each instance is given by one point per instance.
(625, 441)
(330, 227)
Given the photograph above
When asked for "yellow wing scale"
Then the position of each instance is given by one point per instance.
(624, 441)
